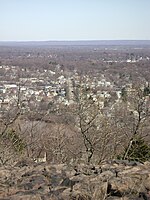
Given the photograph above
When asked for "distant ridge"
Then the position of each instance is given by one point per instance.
(77, 43)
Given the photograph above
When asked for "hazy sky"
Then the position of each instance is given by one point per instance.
(23, 20)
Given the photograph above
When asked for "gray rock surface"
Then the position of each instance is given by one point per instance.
(111, 180)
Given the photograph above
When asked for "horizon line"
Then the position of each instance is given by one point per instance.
(80, 40)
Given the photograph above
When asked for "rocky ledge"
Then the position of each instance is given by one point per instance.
(41, 181)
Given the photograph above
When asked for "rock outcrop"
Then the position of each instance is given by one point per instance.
(41, 181)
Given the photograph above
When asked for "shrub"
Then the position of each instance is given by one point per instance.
(138, 150)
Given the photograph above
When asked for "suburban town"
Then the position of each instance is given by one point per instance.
(39, 88)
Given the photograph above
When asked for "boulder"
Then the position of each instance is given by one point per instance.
(42, 181)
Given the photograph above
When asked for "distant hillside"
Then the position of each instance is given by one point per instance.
(78, 43)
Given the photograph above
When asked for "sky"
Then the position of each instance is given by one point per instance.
(42, 20)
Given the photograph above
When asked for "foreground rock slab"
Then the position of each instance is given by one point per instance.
(41, 181)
